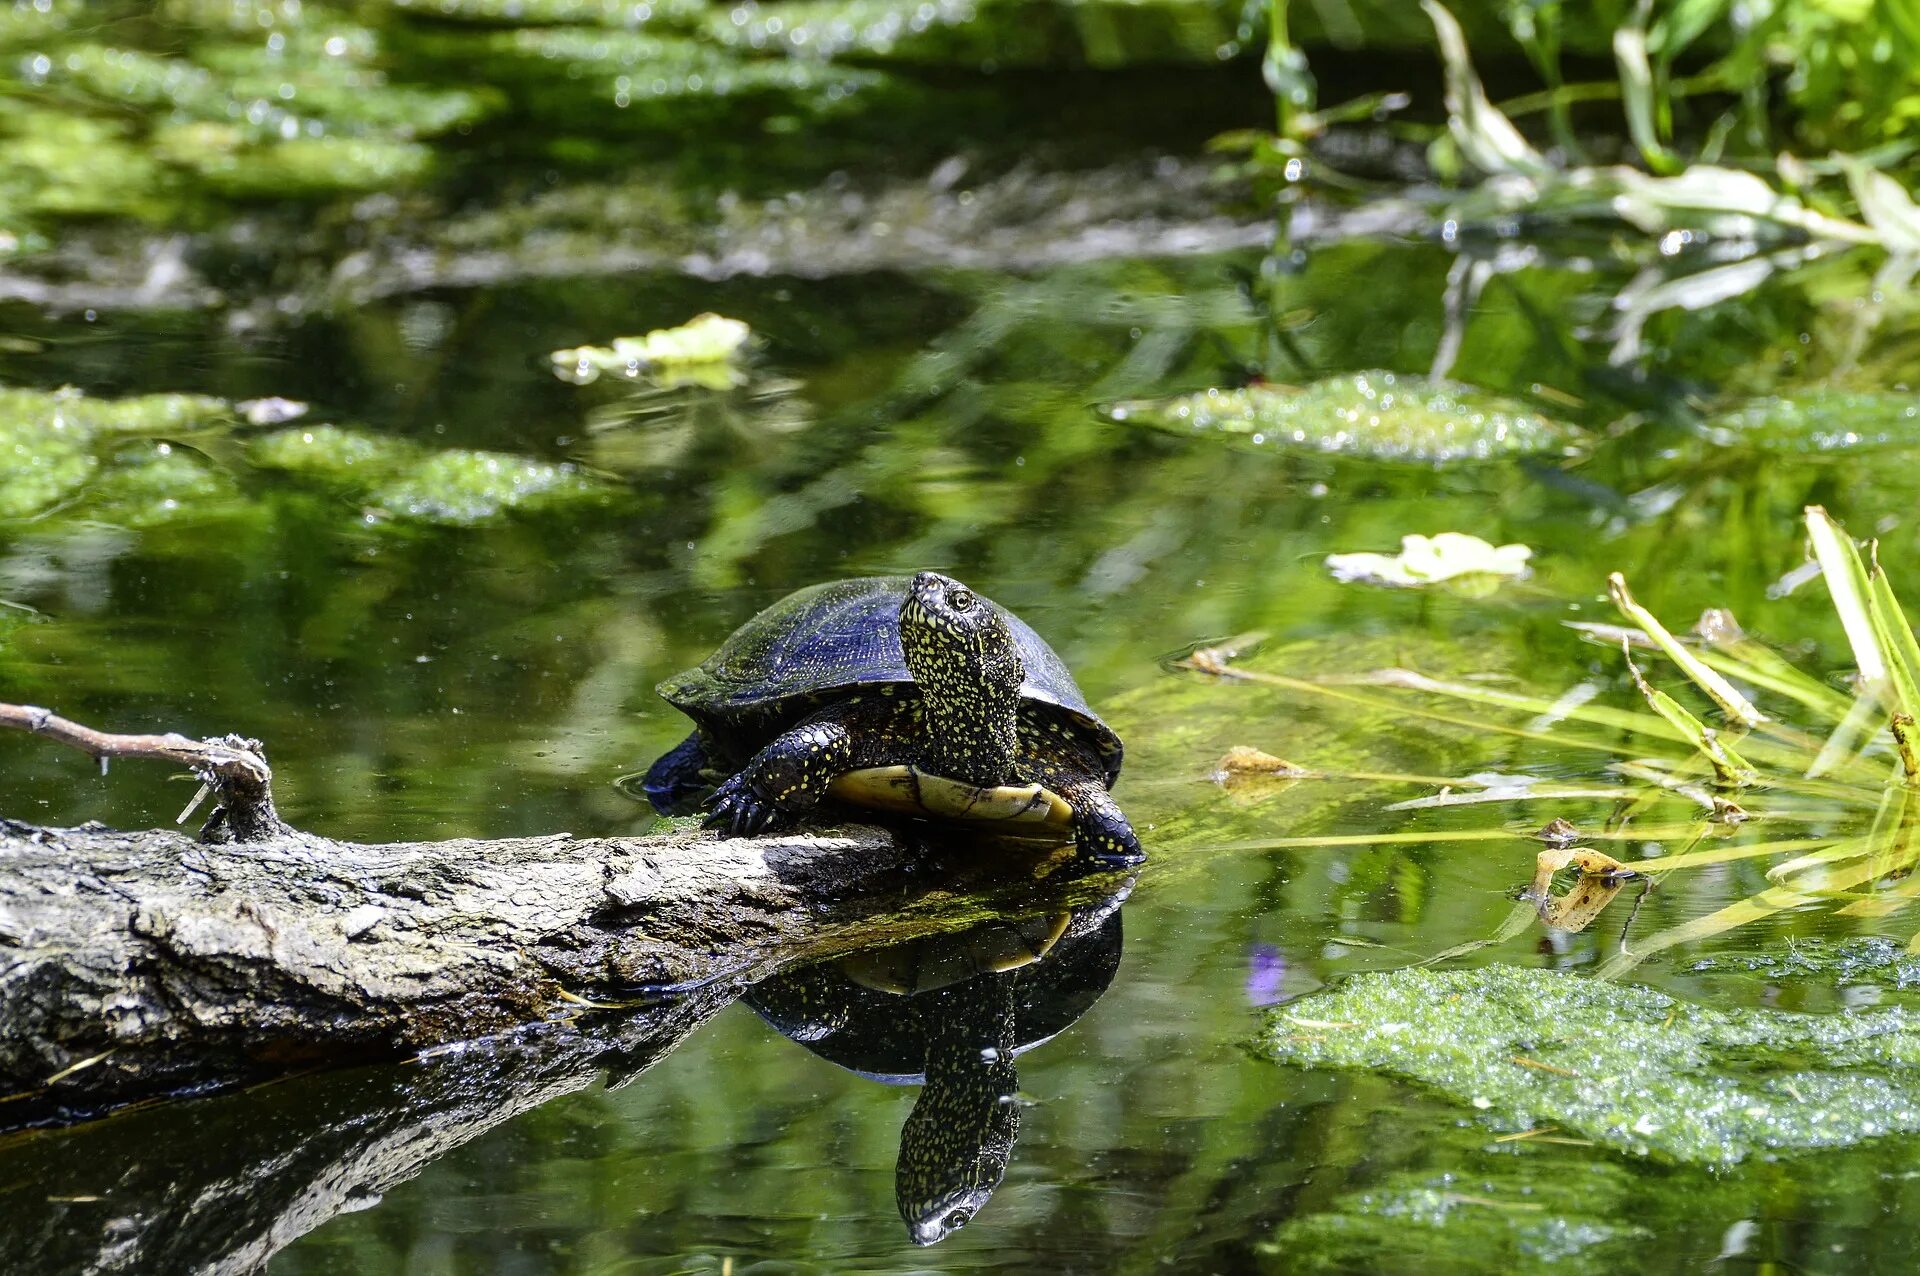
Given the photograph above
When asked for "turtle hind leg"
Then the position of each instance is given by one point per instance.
(674, 783)
(786, 779)
(1101, 832)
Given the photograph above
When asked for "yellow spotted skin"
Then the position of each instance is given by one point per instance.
(882, 673)
(951, 1013)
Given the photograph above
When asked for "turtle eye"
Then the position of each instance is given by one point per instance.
(960, 599)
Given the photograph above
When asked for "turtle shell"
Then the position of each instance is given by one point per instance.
(838, 637)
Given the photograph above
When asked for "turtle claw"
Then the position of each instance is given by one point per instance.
(739, 810)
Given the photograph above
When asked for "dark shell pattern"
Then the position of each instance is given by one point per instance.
(837, 637)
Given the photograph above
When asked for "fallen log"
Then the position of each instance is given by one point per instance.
(141, 964)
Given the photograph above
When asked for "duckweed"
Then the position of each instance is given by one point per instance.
(1383, 415)
(611, 13)
(148, 484)
(1627, 1067)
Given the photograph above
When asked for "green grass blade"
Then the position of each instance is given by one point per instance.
(1750, 661)
(1736, 706)
(1646, 724)
(1895, 635)
(1854, 733)
(1663, 864)
(1741, 913)
(1730, 770)
(1847, 584)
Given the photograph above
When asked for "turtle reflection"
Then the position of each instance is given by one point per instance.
(951, 1014)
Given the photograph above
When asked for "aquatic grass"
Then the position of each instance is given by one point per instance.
(1852, 93)
(1847, 777)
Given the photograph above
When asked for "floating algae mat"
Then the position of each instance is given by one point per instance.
(53, 443)
(1382, 415)
(1505, 1220)
(146, 459)
(453, 486)
(1626, 1067)
(1821, 421)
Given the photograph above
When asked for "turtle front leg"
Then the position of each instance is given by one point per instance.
(675, 778)
(786, 779)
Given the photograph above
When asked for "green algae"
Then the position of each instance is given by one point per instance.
(150, 484)
(975, 33)
(533, 13)
(1379, 415)
(332, 454)
(38, 472)
(838, 28)
(462, 488)
(71, 165)
(633, 69)
(1872, 959)
(80, 416)
(299, 84)
(296, 104)
(230, 163)
(402, 480)
(53, 442)
(1630, 1068)
(1813, 422)
(151, 459)
(1505, 1218)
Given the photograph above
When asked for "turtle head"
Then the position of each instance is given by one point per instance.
(964, 658)
(957, 1140)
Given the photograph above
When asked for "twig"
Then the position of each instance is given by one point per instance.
(235, 768)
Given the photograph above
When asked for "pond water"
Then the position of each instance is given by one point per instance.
(419, 677)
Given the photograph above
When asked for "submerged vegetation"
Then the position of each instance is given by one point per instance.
(1822, 786)
(1014, 292)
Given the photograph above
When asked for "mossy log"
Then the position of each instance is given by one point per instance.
(135, 965)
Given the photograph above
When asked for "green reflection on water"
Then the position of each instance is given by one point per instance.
(432, 680)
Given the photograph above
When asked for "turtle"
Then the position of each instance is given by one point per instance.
(950, 1014)
(906, 694)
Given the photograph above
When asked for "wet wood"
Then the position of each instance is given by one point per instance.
(148, 963)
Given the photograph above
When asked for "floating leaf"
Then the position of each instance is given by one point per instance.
(1428, 560)
(702, 350)
(1382, 415)
(1243, 762)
